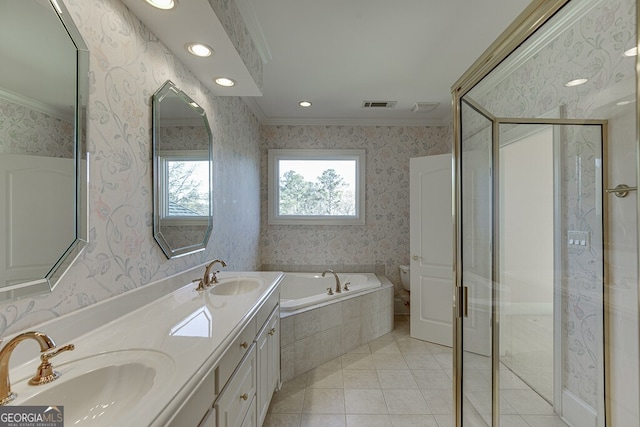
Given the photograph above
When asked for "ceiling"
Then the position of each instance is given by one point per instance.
(39, 71)
(337, 54)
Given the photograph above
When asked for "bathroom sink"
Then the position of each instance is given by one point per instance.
(103, 390)
(236, 286)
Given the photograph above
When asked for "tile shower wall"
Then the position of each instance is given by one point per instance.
(127, 65)
(384, 239)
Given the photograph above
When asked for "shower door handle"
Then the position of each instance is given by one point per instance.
(463, 301)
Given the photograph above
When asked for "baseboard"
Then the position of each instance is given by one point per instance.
(576, 412)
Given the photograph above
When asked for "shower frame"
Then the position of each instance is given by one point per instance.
(531, 19)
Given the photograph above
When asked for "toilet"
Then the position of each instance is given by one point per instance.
(405, 277)
(402, 298)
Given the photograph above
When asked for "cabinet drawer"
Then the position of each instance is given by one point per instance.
(238, 396)
(197, 405)
(267, 307)
(250, 418)
(234, 354)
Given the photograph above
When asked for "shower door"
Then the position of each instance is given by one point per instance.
(474, 288)
(531, 268)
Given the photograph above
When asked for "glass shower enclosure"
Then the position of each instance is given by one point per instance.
(546, 255)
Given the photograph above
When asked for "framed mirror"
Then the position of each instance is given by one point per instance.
(182, 159)
(43, 162)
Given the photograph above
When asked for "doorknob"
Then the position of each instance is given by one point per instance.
(416, 257)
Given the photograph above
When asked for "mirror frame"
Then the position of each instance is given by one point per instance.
(81, 166)
(170, 88)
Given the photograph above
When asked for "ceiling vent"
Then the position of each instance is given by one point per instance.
(379, 104)
(424, 107)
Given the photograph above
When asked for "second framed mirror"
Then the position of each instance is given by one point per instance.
(182, 162)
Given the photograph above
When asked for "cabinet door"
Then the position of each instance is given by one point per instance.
(274, 351)
(210, 419)
(268, 374)
(263, 394)
(237, 397)
(250, 418)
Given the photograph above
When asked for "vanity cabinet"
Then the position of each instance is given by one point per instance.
(237, 391)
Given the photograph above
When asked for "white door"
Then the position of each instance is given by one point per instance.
(35, 211)
(431, 249)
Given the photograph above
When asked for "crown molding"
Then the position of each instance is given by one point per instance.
(255, 30)
(315, 121)
(38, 106)
(295, 121)
(255, 108)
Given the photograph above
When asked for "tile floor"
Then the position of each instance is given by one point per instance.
(392, 381)
(528, 342)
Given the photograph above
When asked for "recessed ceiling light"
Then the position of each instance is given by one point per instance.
(194, 104)
(304, 104)
(199, 49)
(162, 4)
(621, 103)
(225, 81)
(631, 52)
(576, 82)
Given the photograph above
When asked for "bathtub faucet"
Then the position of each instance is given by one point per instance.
(338, 287)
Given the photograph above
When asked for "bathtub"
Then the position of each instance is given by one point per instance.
(316, 327)
(303, 290)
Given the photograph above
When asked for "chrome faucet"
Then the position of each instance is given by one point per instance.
(45, 342)
(338, 287)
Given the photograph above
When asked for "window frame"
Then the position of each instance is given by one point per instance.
(274, 157)
(164, 157)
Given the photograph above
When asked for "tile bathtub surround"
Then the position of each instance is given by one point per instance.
(383, 383)
(314, 337)
(127, 65)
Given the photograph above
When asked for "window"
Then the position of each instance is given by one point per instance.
(185, 187)
(319, 187)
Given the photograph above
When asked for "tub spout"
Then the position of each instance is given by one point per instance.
(338, 287)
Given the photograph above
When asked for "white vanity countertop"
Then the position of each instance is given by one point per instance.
(187, 330)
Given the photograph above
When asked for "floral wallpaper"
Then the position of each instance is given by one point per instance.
(583, 269)
(127, 65)
(184, 137)
(229, 15)
(27, 131)
(592, 48)
(384, 239)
